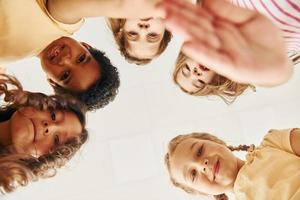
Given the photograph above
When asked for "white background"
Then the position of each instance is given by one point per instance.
(123, 158)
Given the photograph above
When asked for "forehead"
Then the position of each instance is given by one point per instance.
(72, 123)
(143, 49)
(182, 156)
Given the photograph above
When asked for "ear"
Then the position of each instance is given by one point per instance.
(51, 82)
(86, 45)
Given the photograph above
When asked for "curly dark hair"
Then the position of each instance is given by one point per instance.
(103, 91)
(19, 169)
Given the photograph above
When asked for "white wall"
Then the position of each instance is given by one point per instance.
(123, 159)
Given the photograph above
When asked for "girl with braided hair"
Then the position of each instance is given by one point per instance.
(202, 164)
(38, 134)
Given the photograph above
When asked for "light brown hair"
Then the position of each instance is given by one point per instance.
(116, 26)
(19, 169)
(202, 136)
(220, 86)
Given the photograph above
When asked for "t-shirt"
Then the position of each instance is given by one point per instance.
(284, 13)
(271, 171)
(26, 28)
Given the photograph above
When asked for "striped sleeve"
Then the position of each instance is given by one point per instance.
(284, 13)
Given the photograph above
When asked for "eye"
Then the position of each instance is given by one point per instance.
(132, 33)
(65, 76)
(187, 67)
(193, 174)
(56, 140)
(53, 116)
(81, 58)
(199, 151)
(153, 35)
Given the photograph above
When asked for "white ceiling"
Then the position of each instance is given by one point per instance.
(123, 159)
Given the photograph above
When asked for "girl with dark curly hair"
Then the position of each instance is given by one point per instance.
(38, 134)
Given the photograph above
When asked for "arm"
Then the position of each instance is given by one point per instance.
(240, 44)
(295, 140)
(71, 11)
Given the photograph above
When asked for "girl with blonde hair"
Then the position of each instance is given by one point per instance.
(247, 46)
(38, 134)
(197, 80)
(202, 164)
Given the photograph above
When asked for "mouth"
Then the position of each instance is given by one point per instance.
(216, 169)
(54, 51)
(203, 68)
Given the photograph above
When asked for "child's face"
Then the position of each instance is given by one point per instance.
(144, 36)
(203, 165)
(36, 132)
(65, 61)
(192, 76)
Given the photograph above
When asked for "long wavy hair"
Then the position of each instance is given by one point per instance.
(116, 26)
(220, 86)
(19, 169)
(202, 136)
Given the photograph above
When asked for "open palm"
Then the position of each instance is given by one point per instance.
(240, 44)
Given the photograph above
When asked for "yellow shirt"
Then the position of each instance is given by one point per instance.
(272, 171)
(26, 28)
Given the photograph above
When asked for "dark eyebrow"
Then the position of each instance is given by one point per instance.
(88, 59)
(66, 82)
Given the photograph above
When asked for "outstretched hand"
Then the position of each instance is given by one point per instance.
(240, 44)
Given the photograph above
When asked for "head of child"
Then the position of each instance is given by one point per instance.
(81, 71)
(197, 80)
(42, 134)
(140, 40)
(200, 163)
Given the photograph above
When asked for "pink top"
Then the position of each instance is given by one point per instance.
(284, 13)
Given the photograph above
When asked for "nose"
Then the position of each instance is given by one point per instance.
(49, 127)
(196, 72)
(205, 166)
(65, 59)
(143, 25)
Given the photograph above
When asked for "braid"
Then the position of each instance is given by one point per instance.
(241, 147)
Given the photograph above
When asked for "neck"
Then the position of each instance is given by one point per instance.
(5, 136)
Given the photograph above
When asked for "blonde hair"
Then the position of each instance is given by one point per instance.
(116, 26)
(19, 169)
(202, 136)
(220, 86)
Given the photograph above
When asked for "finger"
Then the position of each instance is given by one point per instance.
(211, 58)
(191, 12)
(185, 4)
(232, 42)
(189, 25)
(225, 10)
(190, 31)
